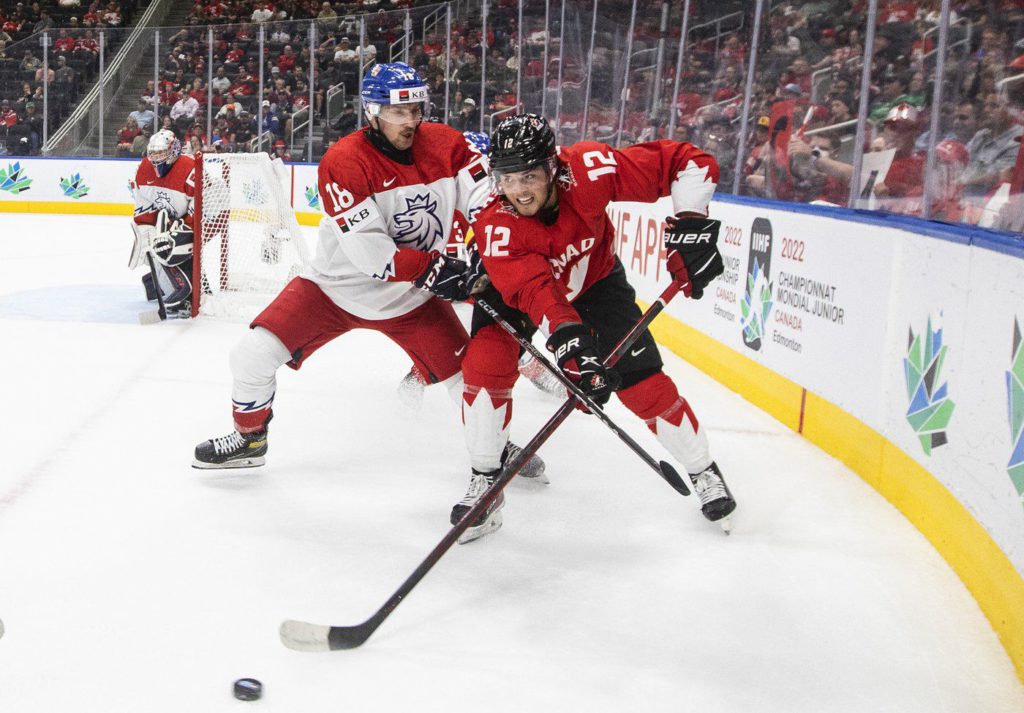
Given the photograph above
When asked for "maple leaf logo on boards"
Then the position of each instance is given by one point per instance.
(930, 407)
(13, 179)
(74, 187)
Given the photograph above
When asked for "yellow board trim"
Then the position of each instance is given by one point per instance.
(961, 540)
(69, 207)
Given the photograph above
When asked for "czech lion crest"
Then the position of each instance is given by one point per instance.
(418, 226)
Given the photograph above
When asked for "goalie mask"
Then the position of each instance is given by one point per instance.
(162, 151)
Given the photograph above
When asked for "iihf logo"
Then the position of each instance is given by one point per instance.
(418, 226)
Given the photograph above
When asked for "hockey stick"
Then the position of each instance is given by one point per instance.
(662, 468)
(303, 636)
(160, 314)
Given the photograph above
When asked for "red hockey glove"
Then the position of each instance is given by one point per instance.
(693, 257)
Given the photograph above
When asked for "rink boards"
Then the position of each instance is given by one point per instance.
(893, 344)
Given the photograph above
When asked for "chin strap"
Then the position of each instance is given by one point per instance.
(548, 216)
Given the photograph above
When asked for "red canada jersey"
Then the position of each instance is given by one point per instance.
(173, 193)
(540, 269)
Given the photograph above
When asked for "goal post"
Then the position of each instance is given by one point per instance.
(248, 244)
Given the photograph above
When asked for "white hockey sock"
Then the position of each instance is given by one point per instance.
(485, 417)
(686, 445)
(254, 361)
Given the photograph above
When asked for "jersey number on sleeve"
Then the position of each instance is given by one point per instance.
(340, 198)
(497, 241)
(605, 161)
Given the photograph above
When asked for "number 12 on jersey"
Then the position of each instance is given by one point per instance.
(496, 240)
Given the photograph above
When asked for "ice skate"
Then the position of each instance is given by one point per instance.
(716, 501)
(533, 469)
(490, 519)
(235, 450)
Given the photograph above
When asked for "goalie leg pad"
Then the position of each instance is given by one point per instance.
(254, 362)
(149, 286)
(657, 401)
(177, 286)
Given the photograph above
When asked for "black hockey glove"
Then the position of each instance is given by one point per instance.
(575, 350)
(693, 257)
(446, 277)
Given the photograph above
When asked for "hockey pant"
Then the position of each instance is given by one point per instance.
(609, 307)
(301, 319)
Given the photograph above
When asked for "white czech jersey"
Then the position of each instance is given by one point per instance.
(376, 206)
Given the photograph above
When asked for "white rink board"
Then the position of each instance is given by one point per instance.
(886, 281)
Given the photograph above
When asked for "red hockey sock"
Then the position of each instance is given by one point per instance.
(657, 397)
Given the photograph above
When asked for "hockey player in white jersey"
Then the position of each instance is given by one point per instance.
(390, 192)
(164, 190)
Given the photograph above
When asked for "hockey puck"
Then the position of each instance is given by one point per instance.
(248, 689)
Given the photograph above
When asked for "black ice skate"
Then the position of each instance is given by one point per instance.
(235, 450)
(490, 519)
(533, 469)
(716, 501)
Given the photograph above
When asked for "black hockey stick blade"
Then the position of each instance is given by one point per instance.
(672, 478)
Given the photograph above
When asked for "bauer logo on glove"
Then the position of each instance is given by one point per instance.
(693, 258)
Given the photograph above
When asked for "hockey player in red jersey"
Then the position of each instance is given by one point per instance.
(548, 248)
(389, 193)
(164, 190)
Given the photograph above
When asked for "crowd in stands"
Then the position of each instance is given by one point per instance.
(802, 115)
(72, 60)
(806, 96)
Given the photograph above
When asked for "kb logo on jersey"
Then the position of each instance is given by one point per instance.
(418, 226)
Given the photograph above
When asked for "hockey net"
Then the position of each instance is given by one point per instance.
(250, 243)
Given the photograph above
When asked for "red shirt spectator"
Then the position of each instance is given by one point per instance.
(64, 43)
(897, 11)
(286, 62)
(8, 117)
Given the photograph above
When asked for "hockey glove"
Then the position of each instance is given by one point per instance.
(174, 246)
(693, 257)
(575, 350)
(445, 277)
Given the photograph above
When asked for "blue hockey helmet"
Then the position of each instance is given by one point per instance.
(391, 84)
(478, 140)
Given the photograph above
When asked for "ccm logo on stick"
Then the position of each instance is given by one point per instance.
(689, 238)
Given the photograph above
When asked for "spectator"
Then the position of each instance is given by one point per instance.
(34, 121)
(184, 111)
(142, 116)
(262, 13)
(468, 118)
(50, 74)
(367, 52)
(905, 179)
(327, 18)
(220, 81)
(992, 150)
(64, 42)
(126, 136)
(280, 34)
(140, 142)
(29, 62)
(280, 149)
(8, 117)
(64, 74)
(286, 62)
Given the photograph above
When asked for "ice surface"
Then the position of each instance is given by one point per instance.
(131, 582)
